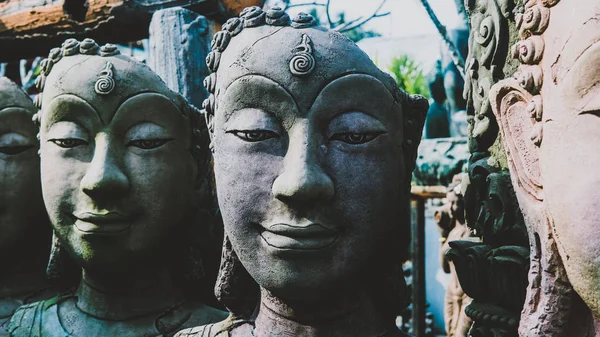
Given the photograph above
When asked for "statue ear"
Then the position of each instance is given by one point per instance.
(208, 107)
(419, 106)
(235, 288)
(519, 116)
(414, 121)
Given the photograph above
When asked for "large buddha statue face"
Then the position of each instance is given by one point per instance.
(21, 206)
(569, 157)
(118, 174)
(310, 153)
(550, 116)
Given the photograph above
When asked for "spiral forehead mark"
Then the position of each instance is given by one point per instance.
(303, 62)
(105, 83)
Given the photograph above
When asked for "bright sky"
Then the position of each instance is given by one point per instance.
(408, 17)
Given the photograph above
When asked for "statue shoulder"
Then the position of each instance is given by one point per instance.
(203, 314)
(187, 315)
(221, 329)
(27, 319)
(199, 331)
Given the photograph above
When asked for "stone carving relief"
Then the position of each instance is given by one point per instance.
(122, 160)
(494, 271)
(548, 117)
(293, 146)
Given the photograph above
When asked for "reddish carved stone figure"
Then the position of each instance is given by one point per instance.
(451, 220)
(549, 117)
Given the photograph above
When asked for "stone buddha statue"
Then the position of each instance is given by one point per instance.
(25, 231)
(122, 158)
(549, 118)
(313, 152)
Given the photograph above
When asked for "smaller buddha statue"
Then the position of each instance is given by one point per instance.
(437, 124)
(25, 230)
(122, 161)
(313, 151)
(451, 221)
(549, 118)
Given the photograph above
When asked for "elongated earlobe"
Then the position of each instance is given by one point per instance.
(519, 115)
(235, 288)
(61, 270)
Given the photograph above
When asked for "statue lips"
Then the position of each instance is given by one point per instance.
(102, 223)
(309, 237)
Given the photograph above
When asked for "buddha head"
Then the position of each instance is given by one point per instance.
(313, 152)
(22, 214)
(122, 158)
(549, 117)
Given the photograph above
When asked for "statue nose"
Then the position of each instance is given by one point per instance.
(303, 183)
(104, 178)
(303, 177)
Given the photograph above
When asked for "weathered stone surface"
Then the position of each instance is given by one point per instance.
(547, 113)
(493, 272)
(24, 230)
(439, 160)
(179, 43)
(313, 149)
(121, 167)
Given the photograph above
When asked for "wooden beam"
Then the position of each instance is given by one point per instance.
(428, 192)
(30, 28)
(419, 303)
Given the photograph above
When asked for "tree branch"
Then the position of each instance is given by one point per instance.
(454, 54)
(331, 24)
(358, 22)
(306, 4)
(28, 77)
(346, 24)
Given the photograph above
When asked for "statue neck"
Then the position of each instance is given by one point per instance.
(336, 316)
(124, 297)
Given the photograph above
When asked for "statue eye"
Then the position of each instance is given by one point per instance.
(355, 138)
(68, 142)
(148, 144)
(254, 135)
(12, 150)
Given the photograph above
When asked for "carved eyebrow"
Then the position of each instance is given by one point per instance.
(18, 115)
(359, 105)
(67, 114)
(265, 105)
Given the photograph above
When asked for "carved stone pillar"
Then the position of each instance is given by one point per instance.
(179, 43)
(494, 271)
